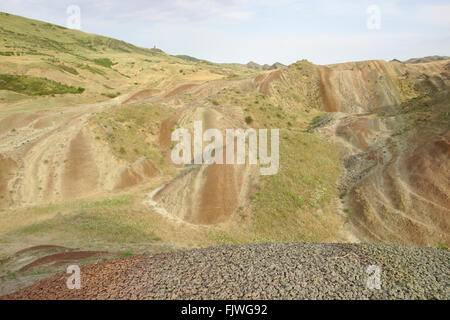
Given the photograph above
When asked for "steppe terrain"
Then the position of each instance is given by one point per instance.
(86, 174)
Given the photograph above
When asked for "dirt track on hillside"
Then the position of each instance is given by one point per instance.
(390, 196)
(269, 271)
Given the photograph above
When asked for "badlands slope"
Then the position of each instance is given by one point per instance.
(364, 148)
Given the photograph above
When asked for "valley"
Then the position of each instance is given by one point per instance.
(85, 150)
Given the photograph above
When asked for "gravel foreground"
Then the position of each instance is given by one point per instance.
(260, 271)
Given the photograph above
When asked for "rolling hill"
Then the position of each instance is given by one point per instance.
(85, 142)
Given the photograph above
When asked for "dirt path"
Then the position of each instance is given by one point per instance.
(53, 162)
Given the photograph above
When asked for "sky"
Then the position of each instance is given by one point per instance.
(263, 31)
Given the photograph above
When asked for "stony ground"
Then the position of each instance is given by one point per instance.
(264, 271)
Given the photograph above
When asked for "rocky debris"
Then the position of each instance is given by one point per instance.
(262, 271)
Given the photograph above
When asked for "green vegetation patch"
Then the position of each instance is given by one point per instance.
(296, 204)
(132, 131)
(111, 95)
(34, 86)
(100, 224)
(6, 53)
(107, 221)
(92, 69)
(104, 62)
(65, 68)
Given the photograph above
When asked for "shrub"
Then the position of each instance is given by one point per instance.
(111, 95)
(35, 86)
(66, 69)
(104, 62)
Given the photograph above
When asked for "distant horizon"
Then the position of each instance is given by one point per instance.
(265, 32)
(261, 64)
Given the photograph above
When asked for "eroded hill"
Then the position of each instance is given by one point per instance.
(364, 148)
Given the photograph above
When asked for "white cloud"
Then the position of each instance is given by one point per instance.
(323, 31)
(185, 10)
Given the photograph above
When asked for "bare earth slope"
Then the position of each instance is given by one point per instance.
(85, 143)
(397, 150)
(392, 120)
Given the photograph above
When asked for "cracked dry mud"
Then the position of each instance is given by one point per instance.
(260, 271)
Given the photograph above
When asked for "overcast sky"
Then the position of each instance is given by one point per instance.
(264, 31)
